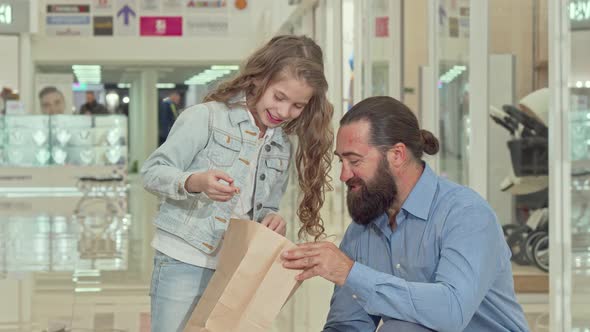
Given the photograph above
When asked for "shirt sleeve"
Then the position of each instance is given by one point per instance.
(346, 313)
(165, 172)
(472, 251)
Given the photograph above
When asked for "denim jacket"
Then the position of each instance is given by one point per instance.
(213, 136)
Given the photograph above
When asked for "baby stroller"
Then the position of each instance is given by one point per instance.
(528, 146)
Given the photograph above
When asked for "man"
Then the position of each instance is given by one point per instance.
(92, 107)
(52, 101)
(423, 253)
(167, 114)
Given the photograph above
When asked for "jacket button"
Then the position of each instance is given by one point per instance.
(267, 148)
(262, 177)
(258, 206)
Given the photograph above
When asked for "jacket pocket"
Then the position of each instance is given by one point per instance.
(224, 149)
(276, 168)
(277, 164)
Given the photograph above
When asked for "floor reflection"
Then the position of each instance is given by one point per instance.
(79, 262)
(83, 263)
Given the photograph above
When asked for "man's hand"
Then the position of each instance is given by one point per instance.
(275, 223)
(322, 259)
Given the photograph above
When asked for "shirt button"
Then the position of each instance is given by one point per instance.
(267, 148)
(262, 177)
(258, 206)
(354, 296)
(398, 266)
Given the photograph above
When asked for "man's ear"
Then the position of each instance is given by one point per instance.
(397, 155)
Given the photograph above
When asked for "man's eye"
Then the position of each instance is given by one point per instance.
(355, 162)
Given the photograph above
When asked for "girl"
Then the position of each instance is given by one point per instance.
(229, 157)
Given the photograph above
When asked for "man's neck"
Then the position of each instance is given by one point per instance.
(405, 180)
(392, 214)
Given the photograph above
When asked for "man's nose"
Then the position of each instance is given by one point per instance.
(345, 173)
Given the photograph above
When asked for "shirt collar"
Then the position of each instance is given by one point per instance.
(382, 223)
(421, 197)
(269, 131)
(239, 113)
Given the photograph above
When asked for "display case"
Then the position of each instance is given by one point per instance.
(42, 140)
(57, 233)
(56, 151)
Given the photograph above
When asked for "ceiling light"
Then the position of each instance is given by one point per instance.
(78, 67)
(219, 67)
(579, 84)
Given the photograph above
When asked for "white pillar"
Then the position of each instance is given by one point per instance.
(26, 72)
(135, 125)
(560, 235)
(478, 97)
(148, 113)
(359, 53)
(395, 39)
(431, 106)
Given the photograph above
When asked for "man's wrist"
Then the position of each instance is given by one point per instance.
(349, 264)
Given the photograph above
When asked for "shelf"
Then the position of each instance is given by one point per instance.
(529, 279)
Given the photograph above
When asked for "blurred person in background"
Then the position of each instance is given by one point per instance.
(52, 101)
(92, 107)
(167, 114)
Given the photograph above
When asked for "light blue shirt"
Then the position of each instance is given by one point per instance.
(446, 266)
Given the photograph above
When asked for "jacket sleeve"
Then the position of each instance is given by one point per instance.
(165, 171)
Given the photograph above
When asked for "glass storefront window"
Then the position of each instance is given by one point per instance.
(453, 84)
(579, 139)
(518, 128)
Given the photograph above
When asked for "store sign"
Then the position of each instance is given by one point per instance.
(68, 25)
(103, 25)
(161, 26)
(5, 14)
(68, 9)
(105, 6)
(206, 25)
(15, 107)
(580, 14)
(382, 26)
(580, 11)
(14, 16)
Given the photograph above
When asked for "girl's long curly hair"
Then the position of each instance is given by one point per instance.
(301, 58)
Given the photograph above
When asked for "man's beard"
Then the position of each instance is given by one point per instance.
(375, 196)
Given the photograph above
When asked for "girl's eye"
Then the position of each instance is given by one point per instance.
(299, 106)
(277, 98)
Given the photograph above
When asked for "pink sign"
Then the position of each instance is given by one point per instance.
(160, 26)
(382, 26)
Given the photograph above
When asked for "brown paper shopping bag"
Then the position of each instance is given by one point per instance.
(250, 285)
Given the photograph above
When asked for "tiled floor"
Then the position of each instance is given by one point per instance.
(65, 261)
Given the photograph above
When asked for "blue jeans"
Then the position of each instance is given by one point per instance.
(175, 291)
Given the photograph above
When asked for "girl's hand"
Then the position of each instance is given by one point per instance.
(275, 223)
(209, 183)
